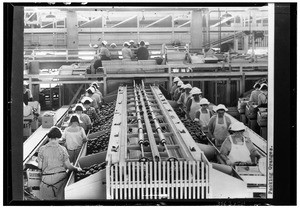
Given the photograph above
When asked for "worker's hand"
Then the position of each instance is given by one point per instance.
(228, 162)
(78, 169)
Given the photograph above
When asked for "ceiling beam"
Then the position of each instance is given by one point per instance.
(124, 21)
(158, 21)
(184, 24)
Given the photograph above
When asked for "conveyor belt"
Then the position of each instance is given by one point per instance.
(37, 139)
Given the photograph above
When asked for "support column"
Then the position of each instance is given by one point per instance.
(196, 29)
(246, 43)
(72, 30)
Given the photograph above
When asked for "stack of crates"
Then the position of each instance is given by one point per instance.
(262, 121)
(242, 109)
(251, 114)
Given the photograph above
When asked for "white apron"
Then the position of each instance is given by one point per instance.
(220, 132)
(239, 153)
(194, 108)
(204, 120)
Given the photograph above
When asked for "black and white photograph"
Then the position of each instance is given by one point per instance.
(145, 103)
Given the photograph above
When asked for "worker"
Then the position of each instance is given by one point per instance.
(133, 48)
(193, 103)
(255, 93)
(74, 136)
(174, 87)
(238, 148)
(184, 96)
(203, 115)
(113, 45)
(90, 92)
(147, 45)
(27, 96)
(86, 122)
(142, 52)
(114, 54)
(263, 96)
(126, 52)
(97, 63)
(178, 91)
(104, 53)
(132, 45)
(218, 126)
(98, 92)
(53, 160)
(90, 111)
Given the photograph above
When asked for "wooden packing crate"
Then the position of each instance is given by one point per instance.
(176, 56)
(34, 177)
(264, 132)
(92, 187)
(242, 102)
(27, 128)
(251, 111)
(262, 118)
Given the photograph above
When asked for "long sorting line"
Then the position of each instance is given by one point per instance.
(151, 139)
(158, 128)
(141, 140)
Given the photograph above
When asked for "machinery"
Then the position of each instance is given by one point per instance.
(151, 155)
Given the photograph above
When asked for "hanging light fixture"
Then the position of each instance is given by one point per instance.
(107, 19)
(143, 17)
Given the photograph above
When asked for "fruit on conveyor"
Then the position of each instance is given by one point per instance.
(99, 144)
(106, 115)
(87, 171)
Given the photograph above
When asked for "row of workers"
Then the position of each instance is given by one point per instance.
(215, 123)
(62, 150)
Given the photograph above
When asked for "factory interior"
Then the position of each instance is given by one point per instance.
(145, 103)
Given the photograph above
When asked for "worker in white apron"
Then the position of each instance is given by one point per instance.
(203, 115)
(238, 148)
(174, 87)
(184, 97)
(193, 103)
(218, 126)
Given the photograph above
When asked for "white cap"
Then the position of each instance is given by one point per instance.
(180, 84)
(113, 44)
(76, 116)
(79, 105)
(176, 79)
(263, 85)
(237, 126)
(147, 43)
(25, 83)
(95, 84)
(104, 42)
(126, 43)
(131, 41)
(195, 91)
(221, 106)
(92, 89)
(188, 86)
(204, 101)
(84, 99)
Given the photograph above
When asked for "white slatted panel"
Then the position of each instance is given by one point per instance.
(138, 180)
(202, 180)
(177, 180)
(181, 179)
(164, 177)
(198, 179)
(185, 180)
(194, 180)
(129, 180)
(134, 181)
(142, 180)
